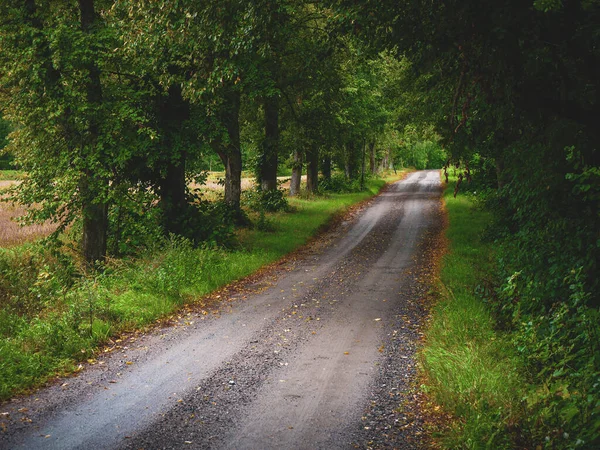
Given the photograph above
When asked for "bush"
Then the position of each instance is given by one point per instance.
(338, 183)
(30, 275)
(210, 223)
(561, 349)
(266, 201)
(134, 223)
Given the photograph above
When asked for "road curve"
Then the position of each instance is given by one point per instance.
(318, 357)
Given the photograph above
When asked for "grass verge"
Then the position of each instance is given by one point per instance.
(11, 174)
(469, 367)
(50, 320)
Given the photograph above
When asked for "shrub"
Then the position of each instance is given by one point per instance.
(266, 201)
(338, 183)
(30, 275)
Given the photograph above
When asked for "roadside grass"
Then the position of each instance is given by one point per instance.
(470, 368)
(11, 174)
(50, 320)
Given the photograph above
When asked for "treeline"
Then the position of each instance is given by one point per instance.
(116, 106)
(517, 85)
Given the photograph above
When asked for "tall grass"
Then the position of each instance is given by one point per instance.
(13, 233)
(50, 320)
(470, 367)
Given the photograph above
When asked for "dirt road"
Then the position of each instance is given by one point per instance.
(319, 356)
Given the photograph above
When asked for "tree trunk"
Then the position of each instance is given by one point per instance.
(312, 170)
(350, 162)
(326, 169)
(94, 235)
(362, 165)
(172, 196)
(173, 111)
(372, 161)
(268, 169)
(94, 212)
(296, 173)
(230, 152)
(95, 222)
(500, 171)
(232, 160)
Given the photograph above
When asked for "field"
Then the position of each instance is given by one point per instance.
(11, 232)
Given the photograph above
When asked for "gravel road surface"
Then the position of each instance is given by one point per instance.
(318, 354)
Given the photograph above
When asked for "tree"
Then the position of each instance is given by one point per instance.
(94, 208)
(228, 148)
(5, 159)
(52, 91)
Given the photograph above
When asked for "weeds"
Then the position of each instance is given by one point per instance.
(11, 175)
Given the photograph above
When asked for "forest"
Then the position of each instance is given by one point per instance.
(115, 113)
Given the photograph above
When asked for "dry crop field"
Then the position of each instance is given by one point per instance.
(11, 232)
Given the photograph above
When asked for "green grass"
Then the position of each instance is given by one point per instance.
(470, 367)
(10, 175)
(48, 326)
